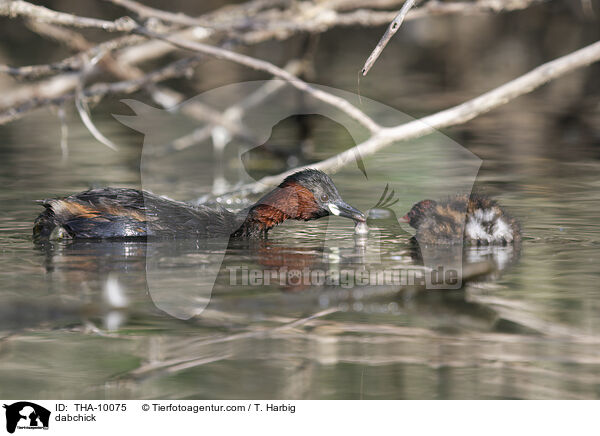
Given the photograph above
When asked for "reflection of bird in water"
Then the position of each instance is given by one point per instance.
(110, 213)
(291, 264)
(474, 219)
(299, 268)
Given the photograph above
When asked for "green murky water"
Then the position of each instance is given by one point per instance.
(528, 329)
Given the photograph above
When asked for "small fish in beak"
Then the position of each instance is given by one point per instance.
(361, 228)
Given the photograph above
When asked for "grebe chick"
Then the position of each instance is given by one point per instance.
(476, 220)
(113, 213)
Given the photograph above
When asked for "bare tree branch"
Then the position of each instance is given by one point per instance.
(282, 24)
(430, 8)
(19, 8)
(77, 62)
(34, 71)
(169, 71)
(449, 117)
(234, 114)
(380, 136)
(279, 27)
(260, 65)
(144, 11)
(63, 35)
(64, 133)
(391, 31)
(186, 362)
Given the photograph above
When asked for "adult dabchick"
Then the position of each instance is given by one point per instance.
(476, 220)
(110, 213)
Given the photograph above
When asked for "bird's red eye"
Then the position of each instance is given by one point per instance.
(324, 197)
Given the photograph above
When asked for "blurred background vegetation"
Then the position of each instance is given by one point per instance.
(530, 332)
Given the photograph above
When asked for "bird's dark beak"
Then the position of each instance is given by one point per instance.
(345, 210)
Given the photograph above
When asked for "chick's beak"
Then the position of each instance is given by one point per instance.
(404, 219)
(345, 210)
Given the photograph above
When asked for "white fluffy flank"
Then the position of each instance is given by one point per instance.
(475, 231)
(502, 231)
(484, 215)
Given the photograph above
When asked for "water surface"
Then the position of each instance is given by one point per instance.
(529, 329)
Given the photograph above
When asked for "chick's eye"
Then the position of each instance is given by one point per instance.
(324, 197)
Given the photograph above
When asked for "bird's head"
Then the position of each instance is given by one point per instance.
(415, 215)
(314, 195)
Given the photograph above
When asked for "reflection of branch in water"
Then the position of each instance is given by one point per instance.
(183, 363)
(384, 340)
(380, 344)
(524, 315)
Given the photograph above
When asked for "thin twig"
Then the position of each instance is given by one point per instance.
(174, 69)
(83, 109)
(186, 362)
(144, 11)
(165, 97)
(68, 65)
(456, 115)
(77, 62)
(281, 26)
(261, 65)
(228, 18)
(233, 115)
(391, 31)
(63, 35)
(84, 114)
(19, 8)
(432, 7)
(64, 133)
(278, 27)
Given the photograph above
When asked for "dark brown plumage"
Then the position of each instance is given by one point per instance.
(474, 219)
(113, 213)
